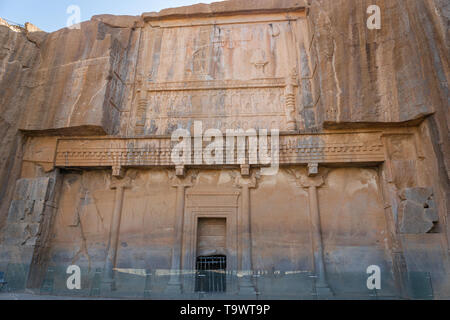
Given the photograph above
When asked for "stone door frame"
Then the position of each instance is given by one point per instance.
(200, 204)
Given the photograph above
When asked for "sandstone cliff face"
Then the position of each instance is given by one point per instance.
(393, 75)
(96, 81)
(19, 53)
(81, 79)
(396, 74)
(84, 78)
(68, 82)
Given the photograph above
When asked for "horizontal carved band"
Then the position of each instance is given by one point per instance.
(293, 149)
(217, 85)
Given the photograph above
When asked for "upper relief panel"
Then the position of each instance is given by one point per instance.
(230, 72)
(217, 52)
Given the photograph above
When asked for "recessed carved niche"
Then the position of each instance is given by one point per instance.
(210, 204)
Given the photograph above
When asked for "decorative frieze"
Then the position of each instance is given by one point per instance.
(219, 104)
(148, 152)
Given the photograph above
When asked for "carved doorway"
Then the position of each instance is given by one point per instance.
(210, 236)
(211, 253)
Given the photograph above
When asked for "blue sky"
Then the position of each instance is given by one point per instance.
(51, 15)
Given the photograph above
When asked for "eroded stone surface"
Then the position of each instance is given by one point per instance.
(340, 94)
(417, 211)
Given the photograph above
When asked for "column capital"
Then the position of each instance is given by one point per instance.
(304, 179)
(313, 169)
(245, 170)
(250, 181)
(307, 182)
(180, 171)
(117, 183)
(187, 180)
(124, 181)
(118, 171)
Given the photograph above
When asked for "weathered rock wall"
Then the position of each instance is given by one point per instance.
(19, 53)
(72, 82)
(393, 75)
(396, 74)
(81, 79)
(280, 226)
(110, 76)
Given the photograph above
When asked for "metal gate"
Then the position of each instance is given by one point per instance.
(211, 274)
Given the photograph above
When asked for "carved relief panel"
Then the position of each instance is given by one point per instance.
(228, 75)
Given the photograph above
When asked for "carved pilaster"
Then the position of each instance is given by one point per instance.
(181, 184)
(314, 180)
(119, 185)
(244, 230)
(290, 101)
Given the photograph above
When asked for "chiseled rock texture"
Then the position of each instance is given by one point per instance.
(94, 81)
(19, 54)
(70, 81)
(80, 79)
(396, 74)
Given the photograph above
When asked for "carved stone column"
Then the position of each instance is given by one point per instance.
(141, 110)
(245, 271)
(312, 182)
(119, 185)
(180, 183)
(291, 83)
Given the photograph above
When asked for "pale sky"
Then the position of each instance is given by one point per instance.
(51, 15)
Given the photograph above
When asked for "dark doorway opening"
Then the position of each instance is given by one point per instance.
(211, 274)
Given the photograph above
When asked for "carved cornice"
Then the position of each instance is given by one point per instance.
(156, 152)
